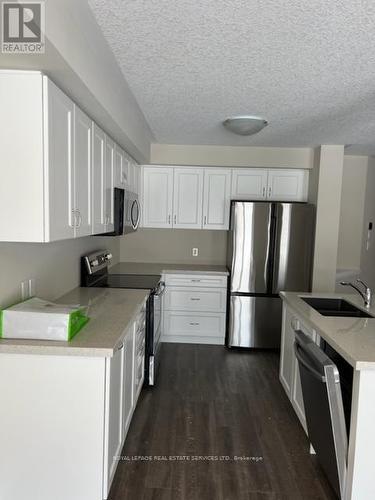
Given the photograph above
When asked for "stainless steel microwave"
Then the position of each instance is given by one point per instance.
(127, 212)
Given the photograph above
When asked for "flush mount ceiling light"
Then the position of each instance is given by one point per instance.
(245, 124)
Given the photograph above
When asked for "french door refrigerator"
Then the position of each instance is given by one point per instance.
(269, 250)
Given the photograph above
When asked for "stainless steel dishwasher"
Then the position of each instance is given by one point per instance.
(324, 410)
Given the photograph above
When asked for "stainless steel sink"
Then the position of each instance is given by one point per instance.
(335, 307)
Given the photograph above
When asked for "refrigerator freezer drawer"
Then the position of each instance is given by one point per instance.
(254, 321)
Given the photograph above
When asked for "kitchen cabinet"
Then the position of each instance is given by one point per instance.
(194, 308)
(269, 184)
(61, 215)
(61, 167)
(249, 183)
(157, 196)
(120, 180)
(109, 184)
(216, 198)
(187, 198)
(128, 395)
(77, 408)
(115, 383)
(98, 176)
(287, 185)
(289, 368)
(81, 192)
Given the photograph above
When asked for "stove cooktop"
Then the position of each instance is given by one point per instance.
(139, 281)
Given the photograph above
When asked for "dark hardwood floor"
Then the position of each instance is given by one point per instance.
(214, 402)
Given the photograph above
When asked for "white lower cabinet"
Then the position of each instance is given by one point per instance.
(69, 415)
(289, 368)
(194, 308)
(113, 434)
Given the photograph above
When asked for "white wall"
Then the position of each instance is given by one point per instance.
(55, 266)
(173, 154)
(368, 256)
(80, 61)
(352, 212)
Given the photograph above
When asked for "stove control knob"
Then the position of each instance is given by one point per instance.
(108, 256)
(94, 263)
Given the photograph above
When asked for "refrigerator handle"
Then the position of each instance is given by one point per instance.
(271, 249)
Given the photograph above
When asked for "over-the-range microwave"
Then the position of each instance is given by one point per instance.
(126, 211)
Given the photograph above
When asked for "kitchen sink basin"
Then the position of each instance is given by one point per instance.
(335, 307)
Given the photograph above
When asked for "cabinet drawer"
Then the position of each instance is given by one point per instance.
(196, 280)
(195, 299)
(185, 327)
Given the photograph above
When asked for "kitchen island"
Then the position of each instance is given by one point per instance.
(67, 406)
(354, 339)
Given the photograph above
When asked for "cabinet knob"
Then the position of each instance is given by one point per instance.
(175, 219)
(269, 191)
(264, 192)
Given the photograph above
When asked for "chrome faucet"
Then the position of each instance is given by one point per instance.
(366, 295)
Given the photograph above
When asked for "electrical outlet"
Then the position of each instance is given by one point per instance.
(195, 252)
(24, 290)
(32, 287)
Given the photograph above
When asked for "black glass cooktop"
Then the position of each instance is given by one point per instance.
(142, 281)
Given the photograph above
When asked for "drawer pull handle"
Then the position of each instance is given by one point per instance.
(195, 281)
(194, 298)
(194, 324)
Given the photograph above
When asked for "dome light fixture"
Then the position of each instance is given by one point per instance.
(245, 124)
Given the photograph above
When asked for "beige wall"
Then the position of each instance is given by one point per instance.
(326, 192)
(352, 212)
(172, 154)
(368, 255)
(80, 61)
(174, 246)
(54, 266)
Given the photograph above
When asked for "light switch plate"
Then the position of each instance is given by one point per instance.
(195, 252)
(32, 287)
(24, 290)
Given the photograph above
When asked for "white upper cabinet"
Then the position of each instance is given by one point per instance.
(98, 180)
(249, 183)
(187, 198)
(109, 184)
(82, 173)
(287, 185)
(216, 198)
(277, 184)
(157, 196)
(61, 217)
(60, 167)
(119, 168)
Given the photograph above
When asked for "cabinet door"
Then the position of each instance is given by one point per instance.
(98, 180)
(109, 184)
(249, 183)
(137, 179)
(128, 396)
(287, 357)
(216, 198)
(82, 172)
(187, 198)
(114, 415)
(157, 196)
(119, 168)
(60, 215)
(287, 185)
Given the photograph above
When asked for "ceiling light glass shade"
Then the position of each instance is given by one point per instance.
(245, 124)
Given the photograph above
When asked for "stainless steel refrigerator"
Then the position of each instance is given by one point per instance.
(270, 249)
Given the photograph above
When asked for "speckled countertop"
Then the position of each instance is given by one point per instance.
(111, 312)
(160, 268)
(353, 338)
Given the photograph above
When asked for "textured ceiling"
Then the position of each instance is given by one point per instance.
(308, 66)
